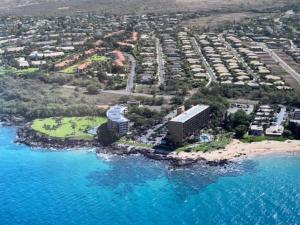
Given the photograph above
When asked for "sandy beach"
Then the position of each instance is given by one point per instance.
(237, 150)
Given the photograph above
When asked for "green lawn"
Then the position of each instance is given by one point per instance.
(73, 69)
(97, 58)
(220, 142)
(27, 71)
(6, 70)
(68, 127)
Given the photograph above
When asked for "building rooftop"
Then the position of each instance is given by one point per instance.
(297, 114)
(185, 116)
(256, 127)
(116, 113)
(275, 130)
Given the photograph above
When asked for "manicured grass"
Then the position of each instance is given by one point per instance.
(68, 127)
(220, 142)
(97, 58)
(6, 70)
(249, 139)
(71, 69)
(27, 71)
(127, 141)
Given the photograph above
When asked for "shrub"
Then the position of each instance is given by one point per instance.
(92, 89)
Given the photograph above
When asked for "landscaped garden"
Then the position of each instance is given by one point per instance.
(73, 69)
(98, 58)
(219, 142)
(127, 141)
(12, 70)
(68, 127)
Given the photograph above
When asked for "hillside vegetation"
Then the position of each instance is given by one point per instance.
(41, 7)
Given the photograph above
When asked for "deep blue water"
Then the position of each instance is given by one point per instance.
(42, 187)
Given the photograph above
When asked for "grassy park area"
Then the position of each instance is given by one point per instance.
(73, 69)
(12, 70)
(98, 58)
(68, 127)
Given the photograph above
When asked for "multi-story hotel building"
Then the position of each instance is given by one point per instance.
(117, 121)
(188, 123)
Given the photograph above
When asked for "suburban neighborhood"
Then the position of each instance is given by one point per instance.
(154, 80)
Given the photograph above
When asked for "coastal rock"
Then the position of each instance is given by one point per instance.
(9, 120)
(183, 162)
(26, 135)
(175, 162)
(120, 149)
(222, 162)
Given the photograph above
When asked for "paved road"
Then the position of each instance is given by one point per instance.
(123, 92)
(212, 76)
(72, 87)
(145, 138)
(131, 75)
(280, 117)
(281, 62)
(293, 46)
(160, 63)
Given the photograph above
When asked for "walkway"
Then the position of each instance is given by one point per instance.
(131, 75)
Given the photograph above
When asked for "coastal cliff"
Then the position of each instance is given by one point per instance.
(26, 135)
(236, 150)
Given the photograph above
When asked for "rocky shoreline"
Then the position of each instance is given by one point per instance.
(151, 153)
(26, 135)
(9, 120)
(233, 152)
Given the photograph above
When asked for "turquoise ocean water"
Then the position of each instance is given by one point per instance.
(43, 187)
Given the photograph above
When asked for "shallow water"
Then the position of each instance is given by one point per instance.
(75, 187)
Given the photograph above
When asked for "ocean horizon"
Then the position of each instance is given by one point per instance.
(78, 187)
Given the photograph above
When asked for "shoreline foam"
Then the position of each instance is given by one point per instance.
(238, 150)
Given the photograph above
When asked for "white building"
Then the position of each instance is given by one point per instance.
(117, 121)
(22, 63)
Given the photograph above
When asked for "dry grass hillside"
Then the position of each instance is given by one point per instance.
(41, 7)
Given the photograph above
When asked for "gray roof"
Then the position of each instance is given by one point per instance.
(297, 114)
(185, 116)
(116, 114)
